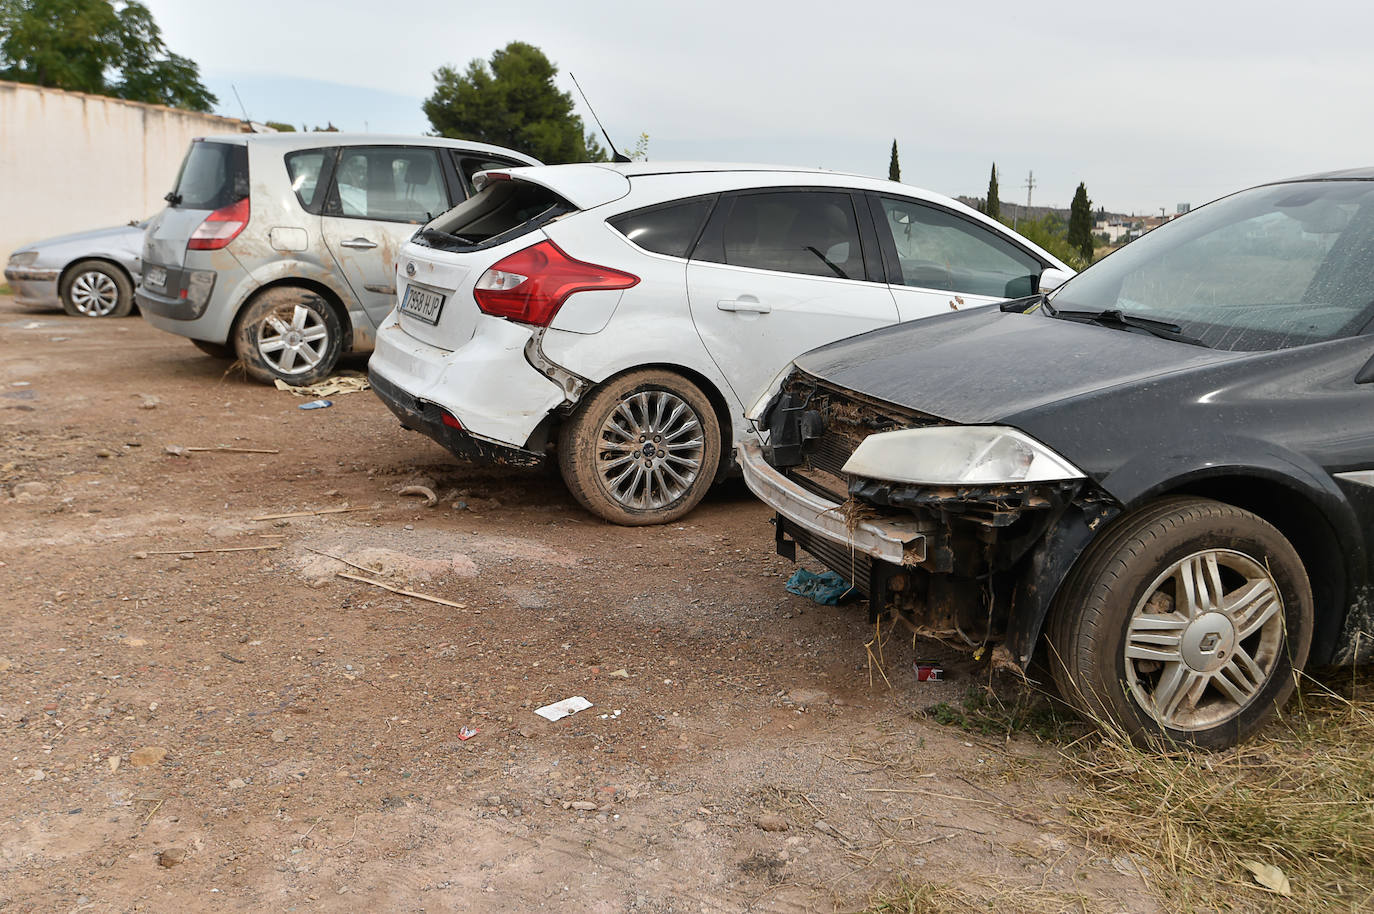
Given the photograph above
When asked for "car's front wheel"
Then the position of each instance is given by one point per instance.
(642, 449)
(1188, 620)
(289, 334)
(94, 288)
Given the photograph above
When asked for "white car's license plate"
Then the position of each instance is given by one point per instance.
(423, 304)
(155, 277)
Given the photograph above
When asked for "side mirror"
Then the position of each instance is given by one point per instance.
(1052, 278)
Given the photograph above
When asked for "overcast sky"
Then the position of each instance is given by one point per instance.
(1150, 104)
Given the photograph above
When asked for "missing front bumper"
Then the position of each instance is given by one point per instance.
(898, 542)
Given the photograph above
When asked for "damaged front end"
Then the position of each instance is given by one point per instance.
(992, 551)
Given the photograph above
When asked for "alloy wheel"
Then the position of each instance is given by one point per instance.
(1204, 640)
(293, 341)
(94, 294)
(650, 449)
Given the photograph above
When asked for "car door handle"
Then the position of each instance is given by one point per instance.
(744, 303)
(360, 243)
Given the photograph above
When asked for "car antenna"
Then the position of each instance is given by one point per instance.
(242, 106)
(616, 154)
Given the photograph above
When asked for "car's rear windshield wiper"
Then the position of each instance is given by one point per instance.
(1115, 317)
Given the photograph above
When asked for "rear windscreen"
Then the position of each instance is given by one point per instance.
(212, 175)
(502, 211)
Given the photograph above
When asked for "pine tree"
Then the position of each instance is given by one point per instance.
(894, 170)
(513, 102)
(1080, 234)
(993, 207)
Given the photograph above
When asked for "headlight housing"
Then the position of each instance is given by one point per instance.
(958, 455)
(23, 258)
(755, 413)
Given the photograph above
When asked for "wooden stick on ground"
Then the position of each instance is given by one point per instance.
(405, 593)
(337, 558)
(221, 549)
(311, 513)
(232, 450)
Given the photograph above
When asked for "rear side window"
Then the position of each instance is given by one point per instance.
(306, 169)
(502, 211)
(809, 232)
(389, 183)
(213, 175)
(667, 229)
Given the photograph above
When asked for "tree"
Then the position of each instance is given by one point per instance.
(1080, 234)
(894, 169)
(993, 208)
(640, 151)
(106, 47)
(512, 102)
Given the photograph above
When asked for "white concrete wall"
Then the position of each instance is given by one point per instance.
(71, 162)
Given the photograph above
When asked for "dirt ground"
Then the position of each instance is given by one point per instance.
(248, 731)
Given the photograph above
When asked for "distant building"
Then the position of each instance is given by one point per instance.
(1115, 230)
(1183, 208)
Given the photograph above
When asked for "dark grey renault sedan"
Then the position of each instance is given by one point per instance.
(1162, 472)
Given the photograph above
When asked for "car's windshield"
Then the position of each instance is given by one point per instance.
(1267, 268)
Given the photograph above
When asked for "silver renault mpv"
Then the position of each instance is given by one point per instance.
(278, 249)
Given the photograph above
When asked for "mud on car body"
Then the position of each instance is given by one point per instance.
(1162, 472)
(278, 249)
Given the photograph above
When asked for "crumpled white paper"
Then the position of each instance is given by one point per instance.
(561, 709)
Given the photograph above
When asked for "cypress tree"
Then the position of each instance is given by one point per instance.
(1080, 233)
(894, 171)
(993, 208)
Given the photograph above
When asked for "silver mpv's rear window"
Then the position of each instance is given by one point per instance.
(213, 175)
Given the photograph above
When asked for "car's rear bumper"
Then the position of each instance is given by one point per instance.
(33, 286)
(198, 299)
(486, 383)
(898, 542)
(428, 419)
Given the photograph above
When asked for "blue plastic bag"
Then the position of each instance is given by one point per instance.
(316, 404)
(828, 589)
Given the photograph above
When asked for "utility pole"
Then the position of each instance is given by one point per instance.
(1029, 186)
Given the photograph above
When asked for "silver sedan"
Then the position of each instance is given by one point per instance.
(89, 274)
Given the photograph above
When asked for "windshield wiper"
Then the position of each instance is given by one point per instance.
(1118, 319)
(1023, 305)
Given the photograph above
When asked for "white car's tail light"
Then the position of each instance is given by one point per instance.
(532, 284)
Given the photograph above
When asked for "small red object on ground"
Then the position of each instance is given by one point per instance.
(926, 671)
(467, 733)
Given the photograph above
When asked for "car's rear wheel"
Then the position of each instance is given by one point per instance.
(641, 450)
(1187, 620)
(289, 334)
(94, 288)
(215, 350)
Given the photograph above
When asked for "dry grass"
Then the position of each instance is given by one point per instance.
(1299, 797)
(932, 898)
(5, 289)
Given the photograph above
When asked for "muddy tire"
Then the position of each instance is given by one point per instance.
(94, 288)
(641, 450)
(215, 350)
(1187, 621)
(288, 334)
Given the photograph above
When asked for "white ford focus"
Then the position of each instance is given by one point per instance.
(622, 318)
